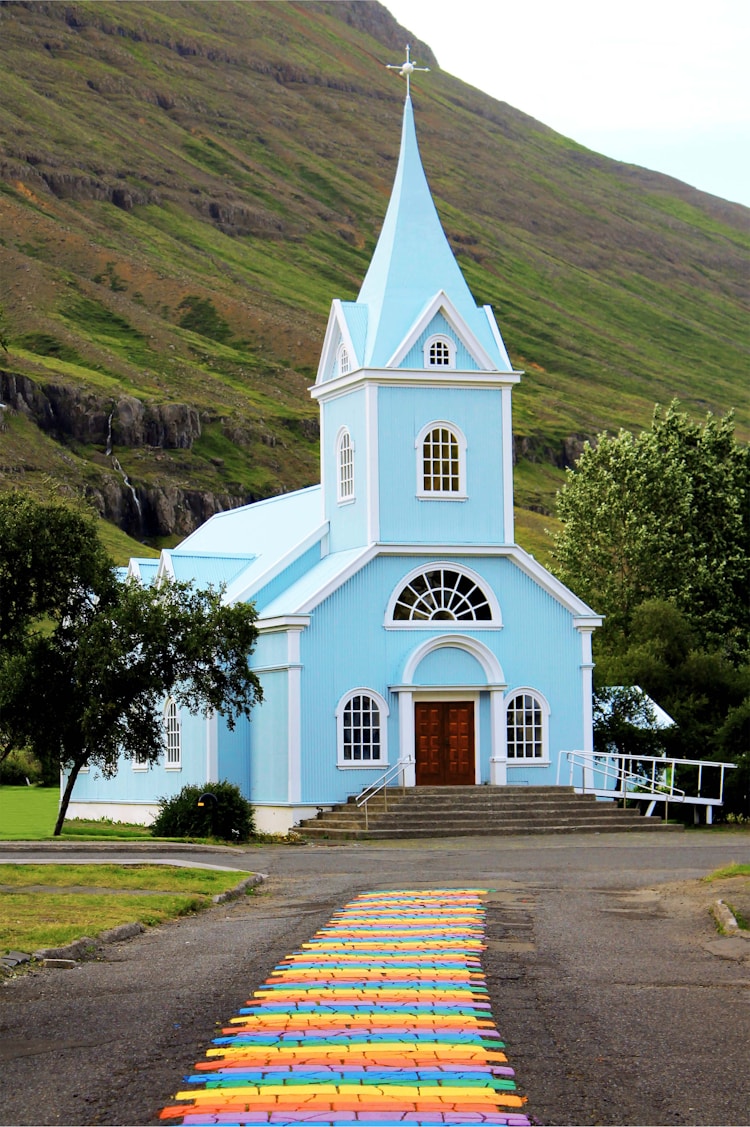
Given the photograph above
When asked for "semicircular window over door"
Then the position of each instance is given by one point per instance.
(442, 594)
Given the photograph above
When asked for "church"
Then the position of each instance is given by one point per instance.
(402, 631)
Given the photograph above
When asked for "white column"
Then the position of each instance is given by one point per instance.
(294, 713)
(509, 533)
(212, 748)
(587, 696)
(372, 471)
(498, 740)
(406, 738)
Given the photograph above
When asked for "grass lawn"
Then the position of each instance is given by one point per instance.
(30, 813)
(50, 905)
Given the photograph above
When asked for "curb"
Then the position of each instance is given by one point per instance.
(726, 920)
(71, 953)
(97, 846)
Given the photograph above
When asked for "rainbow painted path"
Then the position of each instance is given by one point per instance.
(382, 1018)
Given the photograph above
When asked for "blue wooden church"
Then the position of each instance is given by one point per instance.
(399, 622)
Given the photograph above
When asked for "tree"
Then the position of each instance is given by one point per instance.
(625, 722)
(83, 685)
(662, 515)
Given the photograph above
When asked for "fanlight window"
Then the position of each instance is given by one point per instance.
(360, 734)
(525, 727)
(442, 595)
(345, 466)
(441, 462)
(439, 352)
(172, 734)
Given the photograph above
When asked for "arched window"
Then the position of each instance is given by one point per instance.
(526, 719)
(345, 465)
(361, 729)
(441, 462)
(443, 594)
(439, 352)
(345, 364)
(172, 735)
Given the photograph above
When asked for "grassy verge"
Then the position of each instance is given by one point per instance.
(734, 870)
(51, 905)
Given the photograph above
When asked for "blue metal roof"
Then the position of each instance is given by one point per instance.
(296, 598)
(206, 569)
(145, 567)
(412, 263)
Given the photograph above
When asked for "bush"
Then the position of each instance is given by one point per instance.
(228, 815)
(20, 766)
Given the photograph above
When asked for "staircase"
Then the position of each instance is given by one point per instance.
(431, 812)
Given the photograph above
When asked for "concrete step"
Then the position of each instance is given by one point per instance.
(324, 833)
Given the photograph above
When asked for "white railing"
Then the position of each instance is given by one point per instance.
(641, 777)
(372, 789)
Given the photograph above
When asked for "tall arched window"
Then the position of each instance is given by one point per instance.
(441, 462)
(439, 352)
(361, 729)
(443, 594)
(172, 735)
(526, 720)
(345, 465)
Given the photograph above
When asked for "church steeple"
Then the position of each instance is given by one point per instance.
(412, 263)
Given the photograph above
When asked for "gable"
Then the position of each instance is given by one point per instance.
(439, 326)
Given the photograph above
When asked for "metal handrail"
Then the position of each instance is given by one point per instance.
(652, 788)
(372, 789)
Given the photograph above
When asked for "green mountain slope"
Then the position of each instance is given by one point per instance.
(184, 188)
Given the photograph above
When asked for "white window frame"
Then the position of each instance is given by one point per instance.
(362, 764)
(446, 342)
(172, 735)
(540, 702)
(344, 360)
(494, 622)
(344, 468)
(457, 435)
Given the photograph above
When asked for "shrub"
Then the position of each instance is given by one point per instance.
(20, 766)
(228, 815)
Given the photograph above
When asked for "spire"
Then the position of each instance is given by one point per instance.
(413, 262)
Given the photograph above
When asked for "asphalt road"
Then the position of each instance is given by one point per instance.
(617, 1001)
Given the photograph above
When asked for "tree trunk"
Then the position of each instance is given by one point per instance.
(65, 800)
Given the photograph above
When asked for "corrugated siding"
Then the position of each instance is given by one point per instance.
(234, 753)
(348, 522)
(269, 741)
(290, 575)
(205, 570)
(402, 413)
(438, 325)
(449, 666)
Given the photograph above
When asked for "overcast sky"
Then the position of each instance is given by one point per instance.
(660, 83)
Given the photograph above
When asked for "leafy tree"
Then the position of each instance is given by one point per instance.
(662, 515)
(84, 684)
(625, 722)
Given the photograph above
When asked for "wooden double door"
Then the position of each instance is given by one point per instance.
(444, 739)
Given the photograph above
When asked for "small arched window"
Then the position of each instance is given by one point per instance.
(526, 721)
(361, 729)
(172, 735)
(442, 594)
(439, 352)
(441, 463)
(345, 466)
(345, 364)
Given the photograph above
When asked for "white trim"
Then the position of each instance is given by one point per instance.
(294, 706)
(498, 740)
(527, 761)
(491, 666)
(337, 324)
(413, 377)
(372, 463)
(441, 303)
(495, 330)
(170, 706)
(343, 354)
(384, 712)
(242, 594)
(509, 534)
(406, 738)
(212, 748)
(494, 623)
(423, 494)
(282, 622)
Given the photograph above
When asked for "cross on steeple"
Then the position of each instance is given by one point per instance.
(405, 69)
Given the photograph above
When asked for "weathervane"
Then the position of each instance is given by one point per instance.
(405, 69)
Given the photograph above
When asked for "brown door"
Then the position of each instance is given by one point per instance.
(444, 743)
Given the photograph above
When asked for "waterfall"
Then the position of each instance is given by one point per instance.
(116, 465)
(108, 451)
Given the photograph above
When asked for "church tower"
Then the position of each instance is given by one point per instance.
(414, 386)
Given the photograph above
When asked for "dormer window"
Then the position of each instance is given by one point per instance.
(439, 352)
(345, 364)
(345, 466)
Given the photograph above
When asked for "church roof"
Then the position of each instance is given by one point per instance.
(411, 265)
